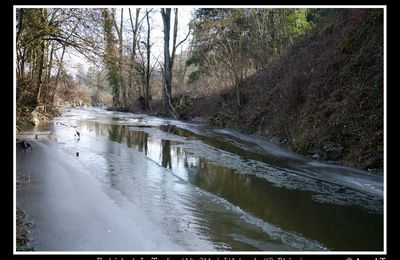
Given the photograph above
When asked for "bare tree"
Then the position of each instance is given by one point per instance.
(142, 64)
(41, 35)
(147, 74)
(135, 31)
(169, 59)
(166, 97)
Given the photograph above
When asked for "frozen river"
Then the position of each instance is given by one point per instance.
(143, 183)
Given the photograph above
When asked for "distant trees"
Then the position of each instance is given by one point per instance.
(45, 35)
(121, 46)
(273, 30)
(128, 61)
(228, 44)
(31, 53)
(42, 38)
(142, 62)
(95, 79)
(222, 39)
(241, 41)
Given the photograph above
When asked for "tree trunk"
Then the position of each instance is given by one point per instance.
(48, 75)
(147, 80)
(39, 72)
(135, 29)
(121, 63)
(166, 98)
(43, 47)
(239, 96)
(174, 37)
(60, 64)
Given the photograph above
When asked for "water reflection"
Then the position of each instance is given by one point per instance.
(348, 227)
(166, 154)
(229, 144)
(339, 227)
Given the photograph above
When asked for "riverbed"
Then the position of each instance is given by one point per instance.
(133, 182)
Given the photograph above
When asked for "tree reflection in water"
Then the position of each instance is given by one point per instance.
(277, 205)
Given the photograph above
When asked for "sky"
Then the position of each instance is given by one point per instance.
(184, 16)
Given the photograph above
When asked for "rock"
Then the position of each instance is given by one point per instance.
(276, 140)
(315, 150)
(331, 151)
(327, 146)
(324, 156)
(38, 116)
(315, 156)
(369, 163)
(335, 152)
(375, 171)
(200, 119)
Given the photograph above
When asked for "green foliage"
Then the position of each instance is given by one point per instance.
(242, 40)
(230, 44)
(195, 59)
(297, 22)
(328, 86)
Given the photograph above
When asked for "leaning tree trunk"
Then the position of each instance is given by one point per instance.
(60, 67)
(50, 64)
(39, 72)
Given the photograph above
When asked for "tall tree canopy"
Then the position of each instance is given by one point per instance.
(241, 41)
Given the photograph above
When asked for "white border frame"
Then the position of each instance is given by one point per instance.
(205, 253)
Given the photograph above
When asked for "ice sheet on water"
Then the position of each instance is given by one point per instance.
(155, 187)
(284, 178)
(298, 173)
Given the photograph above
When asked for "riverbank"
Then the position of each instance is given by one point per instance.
(161, 184)
(28, 116)
(322, 98)
(22, 232)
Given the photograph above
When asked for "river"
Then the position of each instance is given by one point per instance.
(142, 183)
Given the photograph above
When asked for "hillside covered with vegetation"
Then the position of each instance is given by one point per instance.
(322, 96)
(310, 79)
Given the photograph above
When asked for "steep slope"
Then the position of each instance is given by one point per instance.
(324, 96)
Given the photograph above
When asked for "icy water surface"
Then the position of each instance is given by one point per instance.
(211, 189)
